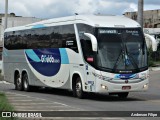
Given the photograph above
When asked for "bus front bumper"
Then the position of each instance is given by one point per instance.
(108, 87)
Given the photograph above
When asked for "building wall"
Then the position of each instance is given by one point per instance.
(9, 15)
(1, 25)
(151, 18)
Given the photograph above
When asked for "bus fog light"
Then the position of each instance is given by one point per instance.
(104, 87)
(145, 86)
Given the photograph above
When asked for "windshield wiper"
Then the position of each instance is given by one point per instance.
(131, 58)
(104, 68)
(117, 61)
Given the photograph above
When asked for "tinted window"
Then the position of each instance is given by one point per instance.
(15, 40)
(69, 38)
(85, 41)
(49, 37)
(55, 37)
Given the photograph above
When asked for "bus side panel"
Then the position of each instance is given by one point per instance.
(8, 74)
(49, 66)
(15, 61)
(8, 66)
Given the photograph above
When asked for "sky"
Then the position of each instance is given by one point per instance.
(61, 8)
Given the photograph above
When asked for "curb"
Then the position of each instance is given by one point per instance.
(154, 68)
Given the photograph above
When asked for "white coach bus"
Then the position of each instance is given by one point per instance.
(82, 53)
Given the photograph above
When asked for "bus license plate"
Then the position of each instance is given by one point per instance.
(126, 87)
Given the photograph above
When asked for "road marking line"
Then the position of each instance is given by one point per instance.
(154, 100)
(61, 104)
(44, 100)
(37, 106)
(20, 100)
(31, 103)
(4, 82)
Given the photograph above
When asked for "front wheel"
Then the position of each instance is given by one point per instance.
(123, 95)
(78, 90)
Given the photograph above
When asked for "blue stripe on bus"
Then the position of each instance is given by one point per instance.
(39, 26)
(64, 56)
(32, 55)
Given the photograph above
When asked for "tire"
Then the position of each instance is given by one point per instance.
(123, 95)
(78, 89)
(18, 83)
(26, 85)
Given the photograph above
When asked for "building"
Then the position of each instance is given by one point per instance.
(1, 25)
(9, 15)
(151, 18)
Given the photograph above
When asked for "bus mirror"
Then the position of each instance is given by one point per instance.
(93, 41)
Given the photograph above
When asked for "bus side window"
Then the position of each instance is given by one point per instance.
(69, 37)
(55, 37)
(87, 49)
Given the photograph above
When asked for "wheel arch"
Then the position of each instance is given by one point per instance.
(23, 72)
(74, 77)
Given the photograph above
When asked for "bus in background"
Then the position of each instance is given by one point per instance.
(82, 53)
(151, 42)
(155, 32)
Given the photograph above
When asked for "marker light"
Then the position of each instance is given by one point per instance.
(145, 86)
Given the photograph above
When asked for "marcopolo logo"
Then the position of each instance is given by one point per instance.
(49, 59)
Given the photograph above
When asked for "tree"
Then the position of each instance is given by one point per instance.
(140, 12)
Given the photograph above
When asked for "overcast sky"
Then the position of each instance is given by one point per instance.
(59, 8)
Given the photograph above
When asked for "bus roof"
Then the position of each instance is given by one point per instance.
(93, 20)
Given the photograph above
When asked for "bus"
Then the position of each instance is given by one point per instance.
(155, 32)
(81, 53)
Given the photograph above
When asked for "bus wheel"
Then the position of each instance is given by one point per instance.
(25, 82)
(123, 95)
(78, 88)
(18, 83)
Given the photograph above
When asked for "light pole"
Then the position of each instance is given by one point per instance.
(6, 14)
(140, 12)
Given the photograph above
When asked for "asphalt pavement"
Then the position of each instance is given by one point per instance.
(53, 100)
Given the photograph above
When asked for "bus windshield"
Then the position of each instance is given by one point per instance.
(121, 50)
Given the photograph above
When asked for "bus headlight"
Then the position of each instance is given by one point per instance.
(104, 87)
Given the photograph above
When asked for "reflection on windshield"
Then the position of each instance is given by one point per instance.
(121, 49)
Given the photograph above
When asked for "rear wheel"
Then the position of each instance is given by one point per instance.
(26, 85)
(123, 95)
(78, 90)
(18, 82)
